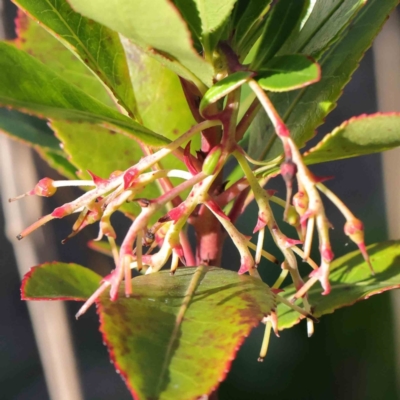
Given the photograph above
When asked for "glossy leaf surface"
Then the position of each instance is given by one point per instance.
(248, 18)
(223, 87)
(358, 136)
(314, 36)
(95, 45)
(351, 281)
(213, 13)
(36, 41)
(29, 86)
(164, 357)
(159, 27)
(284, 73)
(282, 19)
(304, 110)
(59, 281)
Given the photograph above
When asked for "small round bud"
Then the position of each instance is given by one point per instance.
(292, 217)
(45, 188)
(327, 254)
(211, 161)
(354, 229)
(288, 171)
(94, 214)
(300, 202)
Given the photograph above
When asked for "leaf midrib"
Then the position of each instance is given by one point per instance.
(105, 79)
(118, 122)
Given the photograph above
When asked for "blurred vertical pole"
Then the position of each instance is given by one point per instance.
(386, 51)
(49, 319)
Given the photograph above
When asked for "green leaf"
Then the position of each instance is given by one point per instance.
(59, 281)
(248, 19)
(282, 19)
(59, 163)
(35, 133)
(161, 103)
(284, 73)
(29, 86)
(358, 136)
(158, 26)
(325, 22)
(176, 336)
(351, 281)
(94, 44)
(304, 110)
(38, 42)
(190, 14)
(223, 87)
(213, 15)
(28, 130)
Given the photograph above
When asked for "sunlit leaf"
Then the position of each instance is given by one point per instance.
(282, 19)
(247, 21)
(159, 27)
(36, 41)
(284, 73)
(305, 110)
(173, 330)
(213, 14)
(94, 44)
(314, 36)
(164, 356)
(358, 136)
(223, 87)
(351, 281)
(29, 86)
(59, 281)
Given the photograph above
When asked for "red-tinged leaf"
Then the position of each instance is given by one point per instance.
(365, 134)
(164, 355)
(59, 281)
(351, 281)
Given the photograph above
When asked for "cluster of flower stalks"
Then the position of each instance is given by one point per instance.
(148, 247)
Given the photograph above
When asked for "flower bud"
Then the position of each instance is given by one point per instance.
(211, 161)
(300, 202)
(292, 217)
(354, 229)
(45, 188)
(288, 171)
